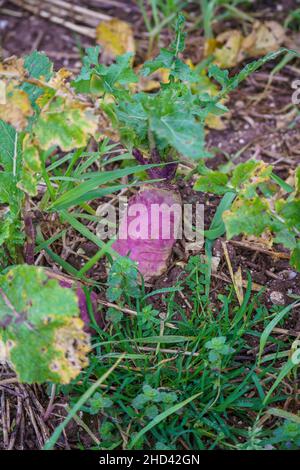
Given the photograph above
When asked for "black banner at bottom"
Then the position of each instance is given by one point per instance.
(137, 459)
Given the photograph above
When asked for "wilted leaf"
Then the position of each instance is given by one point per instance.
(210, 45)
(264, 38)
(116, 37)
(66, 124)
(58, 80)
(12, 67)
(238, 285)
(230, 53)
(41, 334)
(17, 108)
(152, 83)
(231, 47)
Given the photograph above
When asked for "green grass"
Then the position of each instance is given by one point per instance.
(191, 383)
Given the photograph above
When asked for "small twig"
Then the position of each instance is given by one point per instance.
(86, 428)
(50, 404)
(11, 380)
(169, 351)
(235, 277)
(4, 422)
(17, 424)
(128, 311)
(255, 247)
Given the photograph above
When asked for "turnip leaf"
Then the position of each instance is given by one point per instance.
(41, 333)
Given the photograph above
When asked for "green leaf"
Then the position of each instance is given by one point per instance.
(247, 216)
(133, 115)
(168, 58)
(10, 148)
(230, 84)
(178, 44)
(162, 416)
(295, 257)
(41, 334)
(214, 182)
(98, 78)
(181, 131)
(40, 67)
(243, 172)
(10, 159)
(163, 60)
(286, 238)
(297, 182)
(291, 212)
(31, 167)
(120, 73)
(220, 75)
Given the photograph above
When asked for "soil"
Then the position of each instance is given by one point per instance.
(260, 126)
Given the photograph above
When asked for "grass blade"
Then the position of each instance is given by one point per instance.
(55, 436)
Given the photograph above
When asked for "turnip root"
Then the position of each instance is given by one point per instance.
(69, 283)
(150, 227)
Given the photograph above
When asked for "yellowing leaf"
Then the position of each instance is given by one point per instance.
(41, 333)
(265, 37)
(12, 68)
(2, 92)
(116, 37)
(72, 346)
(210, 45)
(59, 78)
(152, 82)
(229, 55)
(265, 240)
(205, 85)
(66, 124)
(231, 47)
(215, 122)
(17, 107)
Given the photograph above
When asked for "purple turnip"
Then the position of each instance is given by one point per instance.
(152, 222)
